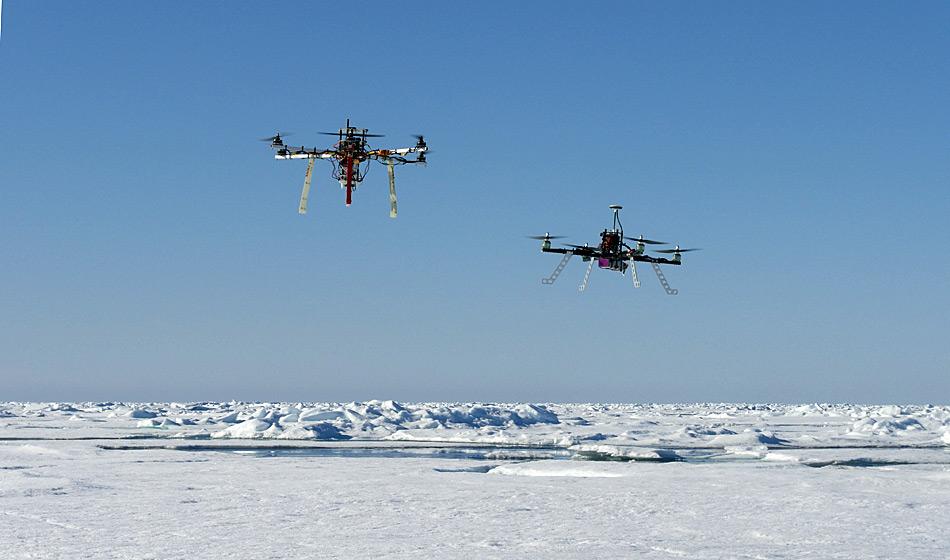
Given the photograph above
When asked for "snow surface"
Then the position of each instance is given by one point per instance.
(388, 479)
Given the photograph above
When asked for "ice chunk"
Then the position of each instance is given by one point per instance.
(526, 414)
(749, 437)
(232, 418)
(252, 428)
(321, 431)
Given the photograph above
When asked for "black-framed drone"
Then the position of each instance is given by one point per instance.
(614, 254)
(348, 157)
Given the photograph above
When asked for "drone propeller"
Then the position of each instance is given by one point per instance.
(545, 236)
(420, 141)
(645, 241)
(275, 137)
(360, 134)
(676, 250)
(582, 247)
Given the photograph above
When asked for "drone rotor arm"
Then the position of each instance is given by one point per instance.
(403, 151)
(300, 152)
(585, 250)
(388, 157)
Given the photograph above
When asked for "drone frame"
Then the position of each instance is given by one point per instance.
(620, 258)
(350, 151)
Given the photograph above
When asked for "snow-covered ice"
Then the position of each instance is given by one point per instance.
(401, 480)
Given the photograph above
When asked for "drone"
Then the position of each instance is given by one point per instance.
(613, 254)
(347, 157)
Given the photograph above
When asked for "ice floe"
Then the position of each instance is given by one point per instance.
(738, 428)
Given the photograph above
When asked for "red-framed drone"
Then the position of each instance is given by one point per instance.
(351, 157)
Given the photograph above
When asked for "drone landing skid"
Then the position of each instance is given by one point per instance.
(392, 188)
(305, 194)
(557, 271)
(663, 282)
(633, 273)
(583, 286)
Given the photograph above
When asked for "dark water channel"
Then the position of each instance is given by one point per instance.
(478, 453)
(816, 458)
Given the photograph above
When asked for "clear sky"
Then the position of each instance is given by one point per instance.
(151, 250)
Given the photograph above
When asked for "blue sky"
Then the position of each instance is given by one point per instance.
(151, 248)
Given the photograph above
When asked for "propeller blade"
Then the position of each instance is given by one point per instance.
(277, 136)
(645, 241)
(582, 247)
(360, 134)
(677, 250)
(545, 236)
